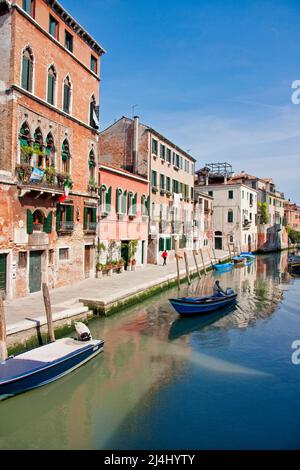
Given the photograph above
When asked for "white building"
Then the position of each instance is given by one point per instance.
(234, 215)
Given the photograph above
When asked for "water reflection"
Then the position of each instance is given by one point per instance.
(147, 349)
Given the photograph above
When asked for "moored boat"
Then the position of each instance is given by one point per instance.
(202, 305)
(45, 364)
(248, 255)
(223, 267)
(239, 260)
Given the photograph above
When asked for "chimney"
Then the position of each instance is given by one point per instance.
(135, 145)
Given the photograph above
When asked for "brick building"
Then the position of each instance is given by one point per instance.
(123, 213)
(142, 150)
(49, 104)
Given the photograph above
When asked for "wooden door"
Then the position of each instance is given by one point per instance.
(35, 271)
(87, 261)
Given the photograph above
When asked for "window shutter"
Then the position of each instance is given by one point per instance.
(48, 223)
(124, 199)
(66, 98)
(148, 205)
(29, 222)
(50, 89)
(117, 202)
(58, 217)
(85, 217)
(168, 244)
(108, 200)
(134, 207)
(70, 214)
(161, 244)
(25, 74)
(94, 215)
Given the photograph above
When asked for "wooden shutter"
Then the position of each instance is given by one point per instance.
(25, 74)
(168, 244)
(29, 222)
(108, 200)
(48, 223)
(66, 98)
(94, 215)
(124, 200)
(85, 218)
(50, 89)
(117, 201)
(134, 202)
(70, 214)
(161, 244)
(58, 217)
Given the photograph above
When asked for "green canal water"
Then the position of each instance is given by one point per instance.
(226, 381)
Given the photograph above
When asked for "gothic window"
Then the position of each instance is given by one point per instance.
(51, 86)
(65, 156)
(67, 96)
(27, 70)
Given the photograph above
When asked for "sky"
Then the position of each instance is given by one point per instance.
(214, 76)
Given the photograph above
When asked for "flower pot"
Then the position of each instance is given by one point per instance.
(99, 274)
(110, 272)
(121, 269)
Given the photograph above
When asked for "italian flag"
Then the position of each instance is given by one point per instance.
(66, 191)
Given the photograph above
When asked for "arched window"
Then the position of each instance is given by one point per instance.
(67, 95)
(92, 166)
(50, 151)
(38, 221)
(51, 86)
(94, 119)
(230, 216)
(27, 70)
(38, 149)
(25, 144)
(65, 156)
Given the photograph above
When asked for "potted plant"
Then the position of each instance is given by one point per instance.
(109, 269)
(129, 265)
(133, 264)
(121, 265)
(99, 270)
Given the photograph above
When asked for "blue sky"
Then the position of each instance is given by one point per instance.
(212, 75)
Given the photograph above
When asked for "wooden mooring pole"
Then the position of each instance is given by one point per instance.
(3, 347)
(203, 263)
(178, 271)
(48, 309)
(196, 263)
(187, 268)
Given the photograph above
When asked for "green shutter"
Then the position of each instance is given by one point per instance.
(48, 223)
(85, 217)
(94, 215)
(108, 200)
(117, 202)
(69, 213)
(58, 217)
(168, 244)
(25, 74)
(29, 222)
(161, 244)
(50, 96)
(124, 200)
(134, 208)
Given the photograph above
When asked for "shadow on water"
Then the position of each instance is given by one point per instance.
(185, 326)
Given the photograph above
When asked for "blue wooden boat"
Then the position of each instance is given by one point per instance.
(202, 305)
(223, 267)
(248, 255)
(45, 364)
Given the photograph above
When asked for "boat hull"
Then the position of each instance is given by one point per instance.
(223, 267)
(187, 308)
(47, 372)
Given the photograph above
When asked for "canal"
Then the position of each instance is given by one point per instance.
(222, 382)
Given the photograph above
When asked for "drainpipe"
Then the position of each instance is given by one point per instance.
(135, 146)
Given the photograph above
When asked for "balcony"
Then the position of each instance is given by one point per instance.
(65, 227)
(155, 189)
(47, 180)
(246, 224)
(90, 227)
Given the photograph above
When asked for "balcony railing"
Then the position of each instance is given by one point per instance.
(51, 179)
(64, 227)
(90, 227)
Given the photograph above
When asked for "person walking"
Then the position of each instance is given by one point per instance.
(164, 257)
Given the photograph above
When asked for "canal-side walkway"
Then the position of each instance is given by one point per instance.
(108, 293)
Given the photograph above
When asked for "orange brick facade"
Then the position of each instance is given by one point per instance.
(65, 252)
